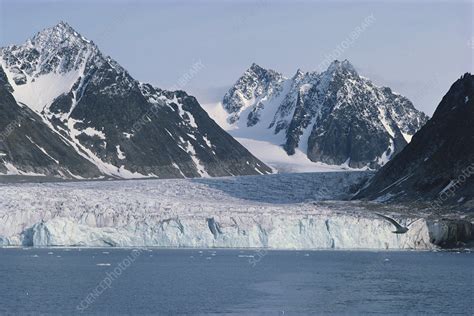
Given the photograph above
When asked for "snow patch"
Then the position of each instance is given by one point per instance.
(407, 137)
(89, 131)
(120, 153)
(277, 158)
(39, 92)
(12, 170)
(199, 166)
(385, 157)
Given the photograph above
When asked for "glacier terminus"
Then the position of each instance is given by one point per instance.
(282, 211)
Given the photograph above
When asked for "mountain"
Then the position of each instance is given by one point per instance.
(335, 117)
(438, 164)
(108, 121)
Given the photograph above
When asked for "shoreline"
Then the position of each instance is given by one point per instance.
(152, 248)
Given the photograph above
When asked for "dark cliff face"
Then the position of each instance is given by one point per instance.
(124, 127)
(344, 135)
(438, 164)
(335, 117)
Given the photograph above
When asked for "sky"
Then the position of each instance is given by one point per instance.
(417, 49)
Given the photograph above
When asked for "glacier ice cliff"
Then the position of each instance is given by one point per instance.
(292, 211)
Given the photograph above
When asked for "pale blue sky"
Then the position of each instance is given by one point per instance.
(418, 50)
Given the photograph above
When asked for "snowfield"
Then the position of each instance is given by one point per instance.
(277, 158)
(283, 211)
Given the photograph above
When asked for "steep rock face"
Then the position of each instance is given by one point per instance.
(438, 165)
(125, 128)
(335, 117)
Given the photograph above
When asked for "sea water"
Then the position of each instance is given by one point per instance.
(217, 281)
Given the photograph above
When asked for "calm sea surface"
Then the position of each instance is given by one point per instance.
(156, 281)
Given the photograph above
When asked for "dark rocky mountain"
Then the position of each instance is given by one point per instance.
(438, 164)
(336, 117)
(114, 123)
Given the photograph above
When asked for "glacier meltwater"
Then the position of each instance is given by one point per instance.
(292, 211)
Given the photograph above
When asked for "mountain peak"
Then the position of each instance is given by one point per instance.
(334, 117)
(460, 94)
(59, 35)
(57, 49)
(85, 115)
(63, 25)
(299, 72)
(341, 66)
(256, 68)
(256, 72)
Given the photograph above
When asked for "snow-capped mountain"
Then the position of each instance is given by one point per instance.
(122, 127)
(438, 165)
(335, 117)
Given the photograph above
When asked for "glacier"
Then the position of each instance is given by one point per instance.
(282, 211)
